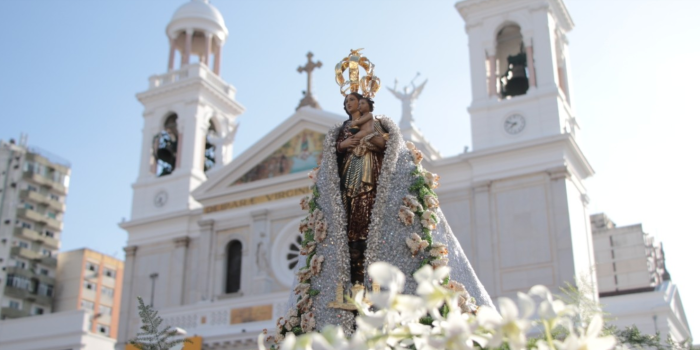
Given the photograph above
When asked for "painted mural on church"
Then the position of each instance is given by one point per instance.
(301, 153)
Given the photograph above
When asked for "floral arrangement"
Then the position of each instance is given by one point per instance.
(313, 228)
(423, 204)
(396, 321)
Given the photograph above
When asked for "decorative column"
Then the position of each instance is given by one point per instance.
(128, 321)
(207, 48)
(530, 66)
(171, 56)
(200, 287)
(217, 55)
(484, 252)
(179, 271)
(188, 48)
(491, 58)
(262, 282)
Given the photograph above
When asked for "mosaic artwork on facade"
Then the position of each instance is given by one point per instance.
(301, 153)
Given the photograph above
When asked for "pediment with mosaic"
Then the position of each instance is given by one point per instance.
(405, 227)
(300, 153)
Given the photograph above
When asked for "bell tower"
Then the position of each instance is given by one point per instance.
(189, 115)
(519, 68)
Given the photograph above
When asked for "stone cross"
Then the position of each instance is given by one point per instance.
(309, 99)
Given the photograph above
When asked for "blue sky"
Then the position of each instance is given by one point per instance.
(70, 70)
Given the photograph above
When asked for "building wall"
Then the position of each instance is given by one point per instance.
(85, 284)
(34, 185)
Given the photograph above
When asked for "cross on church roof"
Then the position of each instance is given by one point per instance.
(309, 99)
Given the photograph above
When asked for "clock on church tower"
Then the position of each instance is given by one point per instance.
(189, 115)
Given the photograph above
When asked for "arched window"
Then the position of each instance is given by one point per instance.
(165, 147)
(234, 258)
(512, 61)
(210, 148)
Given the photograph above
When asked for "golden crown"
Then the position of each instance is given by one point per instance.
(369, 84)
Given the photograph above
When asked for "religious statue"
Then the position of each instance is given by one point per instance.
(407, 98)
(372, 201)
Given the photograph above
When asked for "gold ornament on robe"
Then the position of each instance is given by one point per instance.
(342, 301)
(369, 84)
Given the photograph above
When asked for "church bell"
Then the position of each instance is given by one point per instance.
(515, 81)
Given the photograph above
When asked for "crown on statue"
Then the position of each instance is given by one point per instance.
(369, 84)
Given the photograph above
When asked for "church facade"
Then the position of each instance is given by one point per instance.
(212, 243)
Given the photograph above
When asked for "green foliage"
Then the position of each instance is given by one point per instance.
(314, 292)
(297, 330)
(312, 205)
(427, 320)
(152, 336)
(315, 191)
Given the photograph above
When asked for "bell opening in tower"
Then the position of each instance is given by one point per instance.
(165, 147)
(511, 62)
(210, 148)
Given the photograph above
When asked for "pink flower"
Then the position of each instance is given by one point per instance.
(320, 232)
(417, 156)
(438, 250)
(313, 174)
(432, 179)
(308, 249)
(308, 322)
(429, 220)
(303, 274)
(438, 263)
(412, 202)
(304, 305)
(431, 202)
(301, 288)
(416, 244)
(304, 203)
(316, 262)
(304, 225)
(406, 215)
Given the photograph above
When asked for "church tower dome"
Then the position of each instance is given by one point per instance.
(196, 29)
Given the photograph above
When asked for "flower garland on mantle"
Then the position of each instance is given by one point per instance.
(313, 228)
(423, 203)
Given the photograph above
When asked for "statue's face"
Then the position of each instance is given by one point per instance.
(364, 106)
(351, 103)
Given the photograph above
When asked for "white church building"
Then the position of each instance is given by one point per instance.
(212, 242)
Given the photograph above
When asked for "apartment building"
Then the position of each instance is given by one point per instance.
(91, 281)
(33, 185)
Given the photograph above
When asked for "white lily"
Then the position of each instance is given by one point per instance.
(589, 339)
(429, 285)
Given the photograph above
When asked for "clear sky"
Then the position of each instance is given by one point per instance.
(70, 70)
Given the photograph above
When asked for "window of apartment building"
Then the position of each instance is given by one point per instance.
(23, 244)
(51, 214)
(89, 285)
(29, 206)
(107, 292)
(14, 304)
(103, 329)
(21, 264)
(54, 197)
(44, 272)
(24, 224)
(38, 310)
(18, 282)
(46, 252)
(105, 310)
(110, 273)
(49, 233)
(46, 289)
(87, 305)
(32, 188)
(91, 267)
